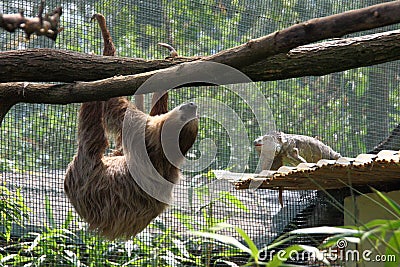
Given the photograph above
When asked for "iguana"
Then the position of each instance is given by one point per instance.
(291, 149)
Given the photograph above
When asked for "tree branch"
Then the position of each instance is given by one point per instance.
(328, 57)
(251, 58)
(106, 88)
(49, 65)
(316, 59)
(310, 31)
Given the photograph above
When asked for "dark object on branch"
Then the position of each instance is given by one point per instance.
(11, 22)
(47, 25)
(392, 142)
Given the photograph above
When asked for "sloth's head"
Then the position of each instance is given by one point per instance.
(185, 118)
(181, 124)
(186, 112)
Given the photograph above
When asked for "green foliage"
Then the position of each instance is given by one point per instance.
(333, 107)
(382, 235)
(12, 211)
(57, 244)
(205, 217)
(31, 138)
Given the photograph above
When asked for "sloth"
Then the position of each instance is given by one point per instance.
(104, 190)
(101, 188)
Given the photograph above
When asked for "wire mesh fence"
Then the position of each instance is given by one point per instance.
(352, 111)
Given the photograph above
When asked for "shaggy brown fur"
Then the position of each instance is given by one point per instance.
(114, 116)
(109, 48)
(159, 103)
(102, 189)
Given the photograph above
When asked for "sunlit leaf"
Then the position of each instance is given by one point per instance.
(224, 239)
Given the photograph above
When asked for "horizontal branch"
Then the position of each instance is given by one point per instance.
(64, 66)
(308, 32)
(328, 57)
(49, 65)
(115, 86)
(315, 59)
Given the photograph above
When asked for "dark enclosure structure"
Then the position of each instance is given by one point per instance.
(352, 111)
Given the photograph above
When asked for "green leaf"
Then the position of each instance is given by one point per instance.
(379, 223)
(332, 241)
(393, 251)
(49, 213)
(223, 239)
(221, 226)
(68, 220)
(35, 242)
(249, 242)
(394, 244)
(227, 197)
(283, 255)
(390, 202)
(7, 258)
(229, 263)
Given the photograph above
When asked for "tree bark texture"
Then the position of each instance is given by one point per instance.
(253, 58)
(316, 59)
(310, 31)
(49, 65)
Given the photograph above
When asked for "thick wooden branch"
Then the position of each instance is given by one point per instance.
(107, 88)
(49, 65)
(328, 57)
(308, 32)
(315, 59)
(114, 86)
(65, 66)
(252, 58)
(72, 92)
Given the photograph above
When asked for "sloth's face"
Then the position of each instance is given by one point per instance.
(188, 111)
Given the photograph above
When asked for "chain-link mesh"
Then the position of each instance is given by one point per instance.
(352, 111)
